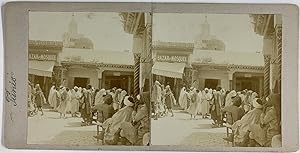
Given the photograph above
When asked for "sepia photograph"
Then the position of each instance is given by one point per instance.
(89, 78)
(150, 76)
(216, 80)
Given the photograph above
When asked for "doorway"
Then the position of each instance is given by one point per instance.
(170, 82)
(211, 83)
(81, 82)
(116, 83)
(247, 83)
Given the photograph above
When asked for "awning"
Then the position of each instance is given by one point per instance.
(41, 68)
(173, 70)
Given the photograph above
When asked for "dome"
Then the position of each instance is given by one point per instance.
(216, 44)
(206, 41)
(83, 43)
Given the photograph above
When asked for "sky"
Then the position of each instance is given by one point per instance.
(236, 31)
(103, 28)
(106, 30)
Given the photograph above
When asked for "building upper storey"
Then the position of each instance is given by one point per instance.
(206, 41)
(73, 39)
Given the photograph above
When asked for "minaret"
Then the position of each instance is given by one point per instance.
(73, 26)
(205, 29)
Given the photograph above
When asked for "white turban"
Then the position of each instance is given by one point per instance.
(256, 104)
(127, 102)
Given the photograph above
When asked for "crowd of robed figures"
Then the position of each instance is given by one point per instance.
(124, 118)
(255, 121)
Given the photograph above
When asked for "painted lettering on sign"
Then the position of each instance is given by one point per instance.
(168, 58)
(42, 57)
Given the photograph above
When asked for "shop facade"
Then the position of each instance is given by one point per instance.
(179, 65)
(172, 64)
(99, 76)
(228, 77)
(43, 57)
(82, 67)
(229, 70)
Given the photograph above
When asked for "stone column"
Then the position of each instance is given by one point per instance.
(278, 34)
(268, 50)
(146, 54)
(136, 75)
(266, 91)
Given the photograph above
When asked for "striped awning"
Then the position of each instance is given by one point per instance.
(173, 70)
(41, 68)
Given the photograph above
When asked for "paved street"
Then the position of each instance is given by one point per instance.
(180, 130)
(177, 130)
(50, 129)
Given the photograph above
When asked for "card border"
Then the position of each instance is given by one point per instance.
(15, 24)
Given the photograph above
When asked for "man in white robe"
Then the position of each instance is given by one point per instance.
(50, 97)
(205, 103)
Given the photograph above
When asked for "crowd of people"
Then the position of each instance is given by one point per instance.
(123, 117)
(255, 121)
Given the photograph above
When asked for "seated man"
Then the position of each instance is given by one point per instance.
(112, 125)
(233, 114)
(135, 131)
(242, 126)
(104, 111)
(262, 134)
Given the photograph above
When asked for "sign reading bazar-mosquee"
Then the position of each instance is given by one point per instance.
(42, 57)
(170, 58)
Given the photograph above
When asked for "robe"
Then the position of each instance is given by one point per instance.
(74, 102)
(69, 98)
(183, 99)
(113, 124)
(86, 106)
(157, 99)
(200, 97)
(216, 107)
(121, 98)
(205, 103)
(135, 133)
(193, 108)
(242, 126)
(116, 103)
(99, 99)
(228, 99)
(63, 102)
(56, 99)
(50, 97)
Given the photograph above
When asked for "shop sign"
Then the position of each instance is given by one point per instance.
(42, 57)
(172, 58)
